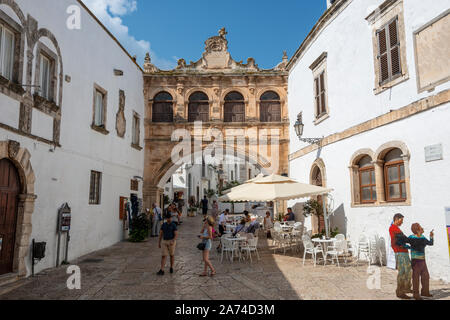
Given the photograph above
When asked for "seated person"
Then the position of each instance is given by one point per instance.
(290, 216)
(247, 217)
(253, 227)
(240, 227)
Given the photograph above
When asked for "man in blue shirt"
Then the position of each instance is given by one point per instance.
(167, 242)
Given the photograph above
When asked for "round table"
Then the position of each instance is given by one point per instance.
(324, 243)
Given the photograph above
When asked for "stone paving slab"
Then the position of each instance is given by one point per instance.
(127, 271)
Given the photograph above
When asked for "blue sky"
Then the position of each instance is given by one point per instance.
(174, 29)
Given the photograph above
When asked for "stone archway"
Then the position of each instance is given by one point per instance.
(156, 174)
(20, 157)
(318, 177)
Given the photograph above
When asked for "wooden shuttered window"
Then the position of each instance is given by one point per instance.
(270, 107)
(198, 109)
(389, 52)
(234, 107)
(162, 110)
(319, 84)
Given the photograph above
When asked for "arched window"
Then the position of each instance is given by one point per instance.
(394, 176)
(367, 184)
(162, 107)
(198, 107)
(234, 107)
(270, 107)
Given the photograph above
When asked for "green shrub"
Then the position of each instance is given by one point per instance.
(139, 229)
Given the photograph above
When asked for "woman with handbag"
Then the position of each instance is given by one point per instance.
(207, 236)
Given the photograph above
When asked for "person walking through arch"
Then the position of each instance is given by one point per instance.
(205, 206)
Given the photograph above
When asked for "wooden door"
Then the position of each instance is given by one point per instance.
(9, 191)
(198, 111)
(270, 111)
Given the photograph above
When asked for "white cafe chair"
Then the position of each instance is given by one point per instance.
(310, 249)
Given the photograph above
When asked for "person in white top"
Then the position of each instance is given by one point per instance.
(268, 223)
(222, 227)
(156, 220)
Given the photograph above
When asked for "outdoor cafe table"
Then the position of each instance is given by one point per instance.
(324, 243)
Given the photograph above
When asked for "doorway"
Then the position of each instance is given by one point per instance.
(9, 192)
(317, 180)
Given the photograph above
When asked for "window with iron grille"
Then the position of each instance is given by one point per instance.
(95, 188)
(389, 52)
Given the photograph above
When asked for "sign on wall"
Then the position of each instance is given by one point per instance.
(434, 153)
(432, 49)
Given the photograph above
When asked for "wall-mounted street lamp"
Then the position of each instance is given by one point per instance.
(299, 126)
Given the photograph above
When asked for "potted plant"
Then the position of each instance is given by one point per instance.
(313, 208)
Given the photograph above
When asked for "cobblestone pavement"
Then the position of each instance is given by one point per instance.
(128, 271)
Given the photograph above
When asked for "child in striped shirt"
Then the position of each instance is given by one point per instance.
(418, 243)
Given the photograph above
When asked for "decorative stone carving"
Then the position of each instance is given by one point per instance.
(216, 58)
(121, 123)
(181, 64)
(13, 148)
(283, 64)
(148, 66)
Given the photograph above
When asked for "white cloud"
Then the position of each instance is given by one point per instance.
(109, 12)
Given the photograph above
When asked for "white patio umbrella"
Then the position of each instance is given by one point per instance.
(259, 176)
(275, 188)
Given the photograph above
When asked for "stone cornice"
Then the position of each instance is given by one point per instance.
(412, 109)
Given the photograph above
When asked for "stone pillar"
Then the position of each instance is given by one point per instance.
(252, 113)
(379, 178)
(407, 177)
(23, 234)
(153, 195)
(179, 111)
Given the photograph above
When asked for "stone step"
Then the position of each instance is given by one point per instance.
(8, 278)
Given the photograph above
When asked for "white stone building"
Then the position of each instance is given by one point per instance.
(372, 79)
(70, 123)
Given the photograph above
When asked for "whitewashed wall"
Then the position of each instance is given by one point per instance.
(89, 55)
(350, 70)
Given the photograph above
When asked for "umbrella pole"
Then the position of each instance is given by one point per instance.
(325, 216)
(275, 210)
